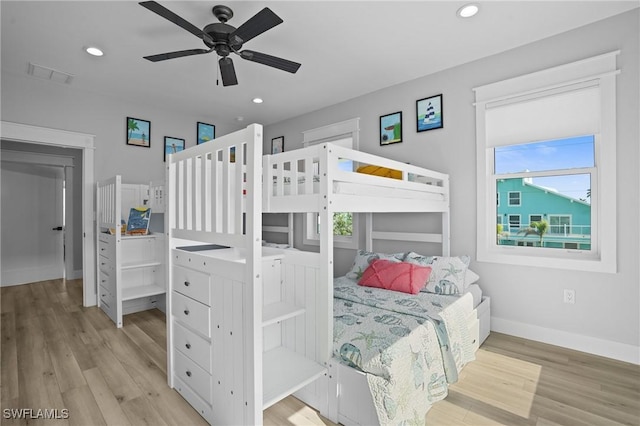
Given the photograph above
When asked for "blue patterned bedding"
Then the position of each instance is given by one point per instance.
(410, 346)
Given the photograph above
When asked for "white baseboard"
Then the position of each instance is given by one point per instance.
(578, 342)
(28, 275)
(76, 275)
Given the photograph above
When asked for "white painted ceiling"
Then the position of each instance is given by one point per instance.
(347, 49)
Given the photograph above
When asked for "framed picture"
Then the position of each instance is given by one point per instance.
(172, 145)
(138, 132)
(277, 145)
(391, 128)
(206, 132)
(429, 113)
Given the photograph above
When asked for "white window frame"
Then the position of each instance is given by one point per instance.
(511, 204)
(343, 131)
(531, 220)
(600, 71)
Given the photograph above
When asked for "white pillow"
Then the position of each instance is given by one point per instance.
(448, 274)
(470, 278)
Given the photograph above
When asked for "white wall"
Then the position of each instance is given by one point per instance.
(525, 301)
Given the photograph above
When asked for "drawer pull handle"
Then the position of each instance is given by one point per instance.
(104, 281)
(186, 312)
(188, 373)
(187, 283)
(188, 345)
(104, 295)
(102, 263)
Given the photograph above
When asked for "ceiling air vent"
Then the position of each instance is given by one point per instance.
(49, 74)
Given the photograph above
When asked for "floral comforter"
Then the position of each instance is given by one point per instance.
(410, 346)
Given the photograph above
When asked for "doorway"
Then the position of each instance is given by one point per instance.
(33, 218)
(22, 133)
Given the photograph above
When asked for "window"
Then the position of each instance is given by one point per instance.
(514, 198)
(514, 223)
(554, 176)
(558, 175)
(560, 225)
(345, 224)
(534, 218)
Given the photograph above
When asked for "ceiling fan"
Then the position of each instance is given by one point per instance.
(225, 39)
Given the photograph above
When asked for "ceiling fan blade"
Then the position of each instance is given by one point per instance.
(173, 55)
(170, 16)
(256, 25)
(228, 72)
(272, 61)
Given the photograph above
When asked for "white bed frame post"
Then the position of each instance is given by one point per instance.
(328, 404)
(446, 231)
(253, 280)
(169, 221)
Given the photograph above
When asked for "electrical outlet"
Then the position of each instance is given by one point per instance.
(569, 296)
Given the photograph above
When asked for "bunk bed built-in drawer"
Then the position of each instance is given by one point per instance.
(193, 346)
(106, 247)
(191, 283)
(107, 279)
(107, 301)
(192, 313)
(192, 398)
(192, 375)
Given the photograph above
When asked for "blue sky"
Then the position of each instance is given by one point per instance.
(551, 155)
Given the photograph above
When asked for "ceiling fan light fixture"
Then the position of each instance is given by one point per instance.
(257, 100)
(468, 10)
(93, 51)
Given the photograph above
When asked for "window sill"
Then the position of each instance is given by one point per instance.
(563, 259)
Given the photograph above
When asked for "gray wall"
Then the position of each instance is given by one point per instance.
(44, 103)
(525, 301)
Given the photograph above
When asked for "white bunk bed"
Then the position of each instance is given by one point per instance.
(275, 307)
(130, 272)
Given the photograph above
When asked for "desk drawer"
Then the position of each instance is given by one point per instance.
(192, 375)
(195, 284)
(192, 313)
(192, 345)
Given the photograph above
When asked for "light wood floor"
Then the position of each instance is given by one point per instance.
(55, 354)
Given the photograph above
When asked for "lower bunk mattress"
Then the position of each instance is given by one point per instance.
(411, 347)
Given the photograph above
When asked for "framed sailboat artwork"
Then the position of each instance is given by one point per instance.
(429, 113)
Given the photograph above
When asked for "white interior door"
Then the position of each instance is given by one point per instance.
(32, 217)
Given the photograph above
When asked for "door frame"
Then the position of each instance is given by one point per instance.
(62, 138)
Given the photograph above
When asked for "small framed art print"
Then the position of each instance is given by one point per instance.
(429, 113)
(391, 128)
(277, 145)
(206, 132)
(172, 145)
(138, 132)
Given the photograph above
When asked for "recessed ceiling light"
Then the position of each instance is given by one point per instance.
(257, 100)
(239, 118)
(468, 10)
(94, 51)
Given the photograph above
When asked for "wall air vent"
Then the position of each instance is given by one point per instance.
(40, 71)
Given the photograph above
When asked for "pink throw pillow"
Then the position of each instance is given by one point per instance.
(403, 276)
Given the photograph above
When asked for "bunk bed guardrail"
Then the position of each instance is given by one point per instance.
(297, 179)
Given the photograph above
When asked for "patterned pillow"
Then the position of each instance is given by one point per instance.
(404, 276)
(364, 258)
(447, 275)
